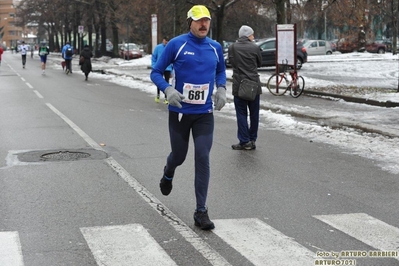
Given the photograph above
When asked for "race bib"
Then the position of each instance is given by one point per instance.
(195, 93)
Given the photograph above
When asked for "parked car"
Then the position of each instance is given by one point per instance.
(388, 44)
(350, 44)
(226, 45)
(376, 47)
(318, 47)
(268, 51)
(347, 45)
(334, 44)
(130, 51)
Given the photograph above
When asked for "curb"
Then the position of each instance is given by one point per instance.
(387, 104)
(311, 93)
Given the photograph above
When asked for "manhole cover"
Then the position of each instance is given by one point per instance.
(64, 156)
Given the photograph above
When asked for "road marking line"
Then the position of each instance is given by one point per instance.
(81, 133)
(125, 245)
(183, 229)
(261, 243)
(30, 86)
(38, 94)
(10, 249)
(365, 228)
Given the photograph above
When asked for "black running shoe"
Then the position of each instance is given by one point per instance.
(166, 186)
(245, 146)
(201, 219)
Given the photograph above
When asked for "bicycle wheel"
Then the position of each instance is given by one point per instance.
(299, 88)
(277, 84)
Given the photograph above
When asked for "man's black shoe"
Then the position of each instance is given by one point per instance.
(245, 146)
(253, 145)
(201, 219)
(166, 186)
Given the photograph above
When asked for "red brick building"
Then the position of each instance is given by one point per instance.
(9, 33)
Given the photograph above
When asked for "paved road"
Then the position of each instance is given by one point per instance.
(289, 202)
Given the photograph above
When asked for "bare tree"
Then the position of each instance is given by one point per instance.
(219, 8)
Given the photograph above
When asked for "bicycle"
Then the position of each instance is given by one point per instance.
(278, 84)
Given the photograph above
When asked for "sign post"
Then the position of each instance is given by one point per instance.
(154, 31)
(80, 31)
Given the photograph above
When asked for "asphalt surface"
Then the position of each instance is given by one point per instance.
(288, 186)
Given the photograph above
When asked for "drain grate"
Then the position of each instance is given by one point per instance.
(64, 156)
(61, 155)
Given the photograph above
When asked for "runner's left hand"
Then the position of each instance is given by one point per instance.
(220, 98)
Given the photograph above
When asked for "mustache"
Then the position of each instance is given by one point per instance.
(203, 28)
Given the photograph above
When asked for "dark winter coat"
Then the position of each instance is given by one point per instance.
(87, 54)
(245, 58)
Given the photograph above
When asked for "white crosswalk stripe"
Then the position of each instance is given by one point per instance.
(10, 249)
(125, 245)
(259, 242)
(365, 228)
(254, 239)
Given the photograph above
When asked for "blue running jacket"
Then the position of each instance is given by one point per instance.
(198, 63)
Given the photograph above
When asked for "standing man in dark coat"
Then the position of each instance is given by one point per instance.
(245, 58)
(85, 60)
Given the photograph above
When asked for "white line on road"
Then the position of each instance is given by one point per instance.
(38, 94)
(30, 86)
(10, 249)
(86, 137)
(189, 235)
(365, 228)
(261, 243)
(125, 245)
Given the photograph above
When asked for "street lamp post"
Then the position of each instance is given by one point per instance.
(324, 6)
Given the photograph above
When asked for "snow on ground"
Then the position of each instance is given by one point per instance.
(383, 151)
(351, 74)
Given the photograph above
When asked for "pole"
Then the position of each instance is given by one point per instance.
(395, 32)
(154, 31)
(81, 42)
(174, 20)
(325, 30)
(324, 6)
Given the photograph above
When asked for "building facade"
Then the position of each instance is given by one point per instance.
(9, 33)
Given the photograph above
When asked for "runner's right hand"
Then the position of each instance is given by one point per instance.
(174, 97)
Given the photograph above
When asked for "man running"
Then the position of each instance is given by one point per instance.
(198, 64)
(44, 50)
(23, 48)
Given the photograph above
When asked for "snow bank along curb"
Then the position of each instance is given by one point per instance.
(352, 99)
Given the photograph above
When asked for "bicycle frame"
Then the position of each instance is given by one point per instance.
(282, 75)
(294, 80)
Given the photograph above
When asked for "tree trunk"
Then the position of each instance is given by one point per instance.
(280, 11)
(114, 26)
(219, 24)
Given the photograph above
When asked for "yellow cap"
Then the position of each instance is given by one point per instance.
(197, 12)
